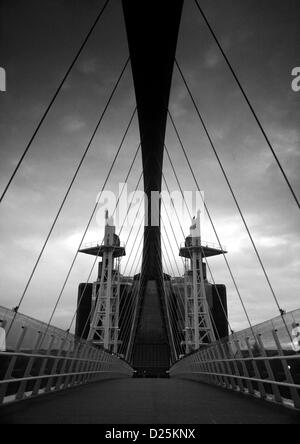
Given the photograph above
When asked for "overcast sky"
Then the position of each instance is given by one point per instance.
(37, 43)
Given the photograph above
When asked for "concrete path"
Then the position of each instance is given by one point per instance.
(147, 401)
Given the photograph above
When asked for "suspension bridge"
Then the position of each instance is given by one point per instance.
(152, 345)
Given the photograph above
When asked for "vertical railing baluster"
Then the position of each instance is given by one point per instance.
(54, 367)
(92, 366)
(95, 366)
(11, 366)
(23, 385)
(98, 368)
(63, 368)
(43, 367)
(244, 367)
(257, 374)
(210, 368)
(220, 365)
(77, 363)
(207, 377)
(228, 366)
(275, 389)
(86, 366)
(217, 379)
(72, 366)
(83, 355)
(289, 377)
(240, 382)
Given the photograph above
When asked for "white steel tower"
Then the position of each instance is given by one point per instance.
(198, 323)
(104, 326)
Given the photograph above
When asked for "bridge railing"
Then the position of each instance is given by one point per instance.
(263, 362)
(40, 360)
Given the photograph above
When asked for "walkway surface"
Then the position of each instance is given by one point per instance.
(147, 401)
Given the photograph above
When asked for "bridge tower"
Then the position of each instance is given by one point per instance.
(198, 330)
(104, 325)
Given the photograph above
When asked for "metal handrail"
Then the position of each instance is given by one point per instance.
(204, 244)
(245, 378)
(226, 364)
(58, 375)
(101, 244)
(42, 356)
(70, 363)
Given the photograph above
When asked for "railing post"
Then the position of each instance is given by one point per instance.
(74, 363)
(256, 371)
(83, 356)
(222, 367)
(234, 385)
(245, 370)
(98, 368)
(11, 366)
(271, 376)
(200, 365)
(99, 365)
(23, 385)
(87, 364)
(55, 365)
(43, 367)
(93, 366)
(212, 377)
(207, 376)
(63, 368)
(106, 363)
(214, 367)
(289, 377)
(240, 383)
(79, 356)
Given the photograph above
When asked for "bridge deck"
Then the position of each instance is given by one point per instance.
(147, 401)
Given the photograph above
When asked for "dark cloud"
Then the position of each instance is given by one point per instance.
(38, 41)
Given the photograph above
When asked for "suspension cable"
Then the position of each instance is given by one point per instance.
(70, 188)
(211, 222)
(249, 103)
(206, 260)
(83, 237)
(166, 314)
(172, 311)
(90, 274)
(238, 292)
(94, 263)
(234, 198)
(129, 313)
(215, 286)
(139, 291)
(132, 323)
(170, 262)
(121, 314)
(98, 253)
(53, 100)
(81, 298)
(89, 223)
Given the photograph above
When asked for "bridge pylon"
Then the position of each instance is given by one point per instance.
(104, 324)
(199, 330)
